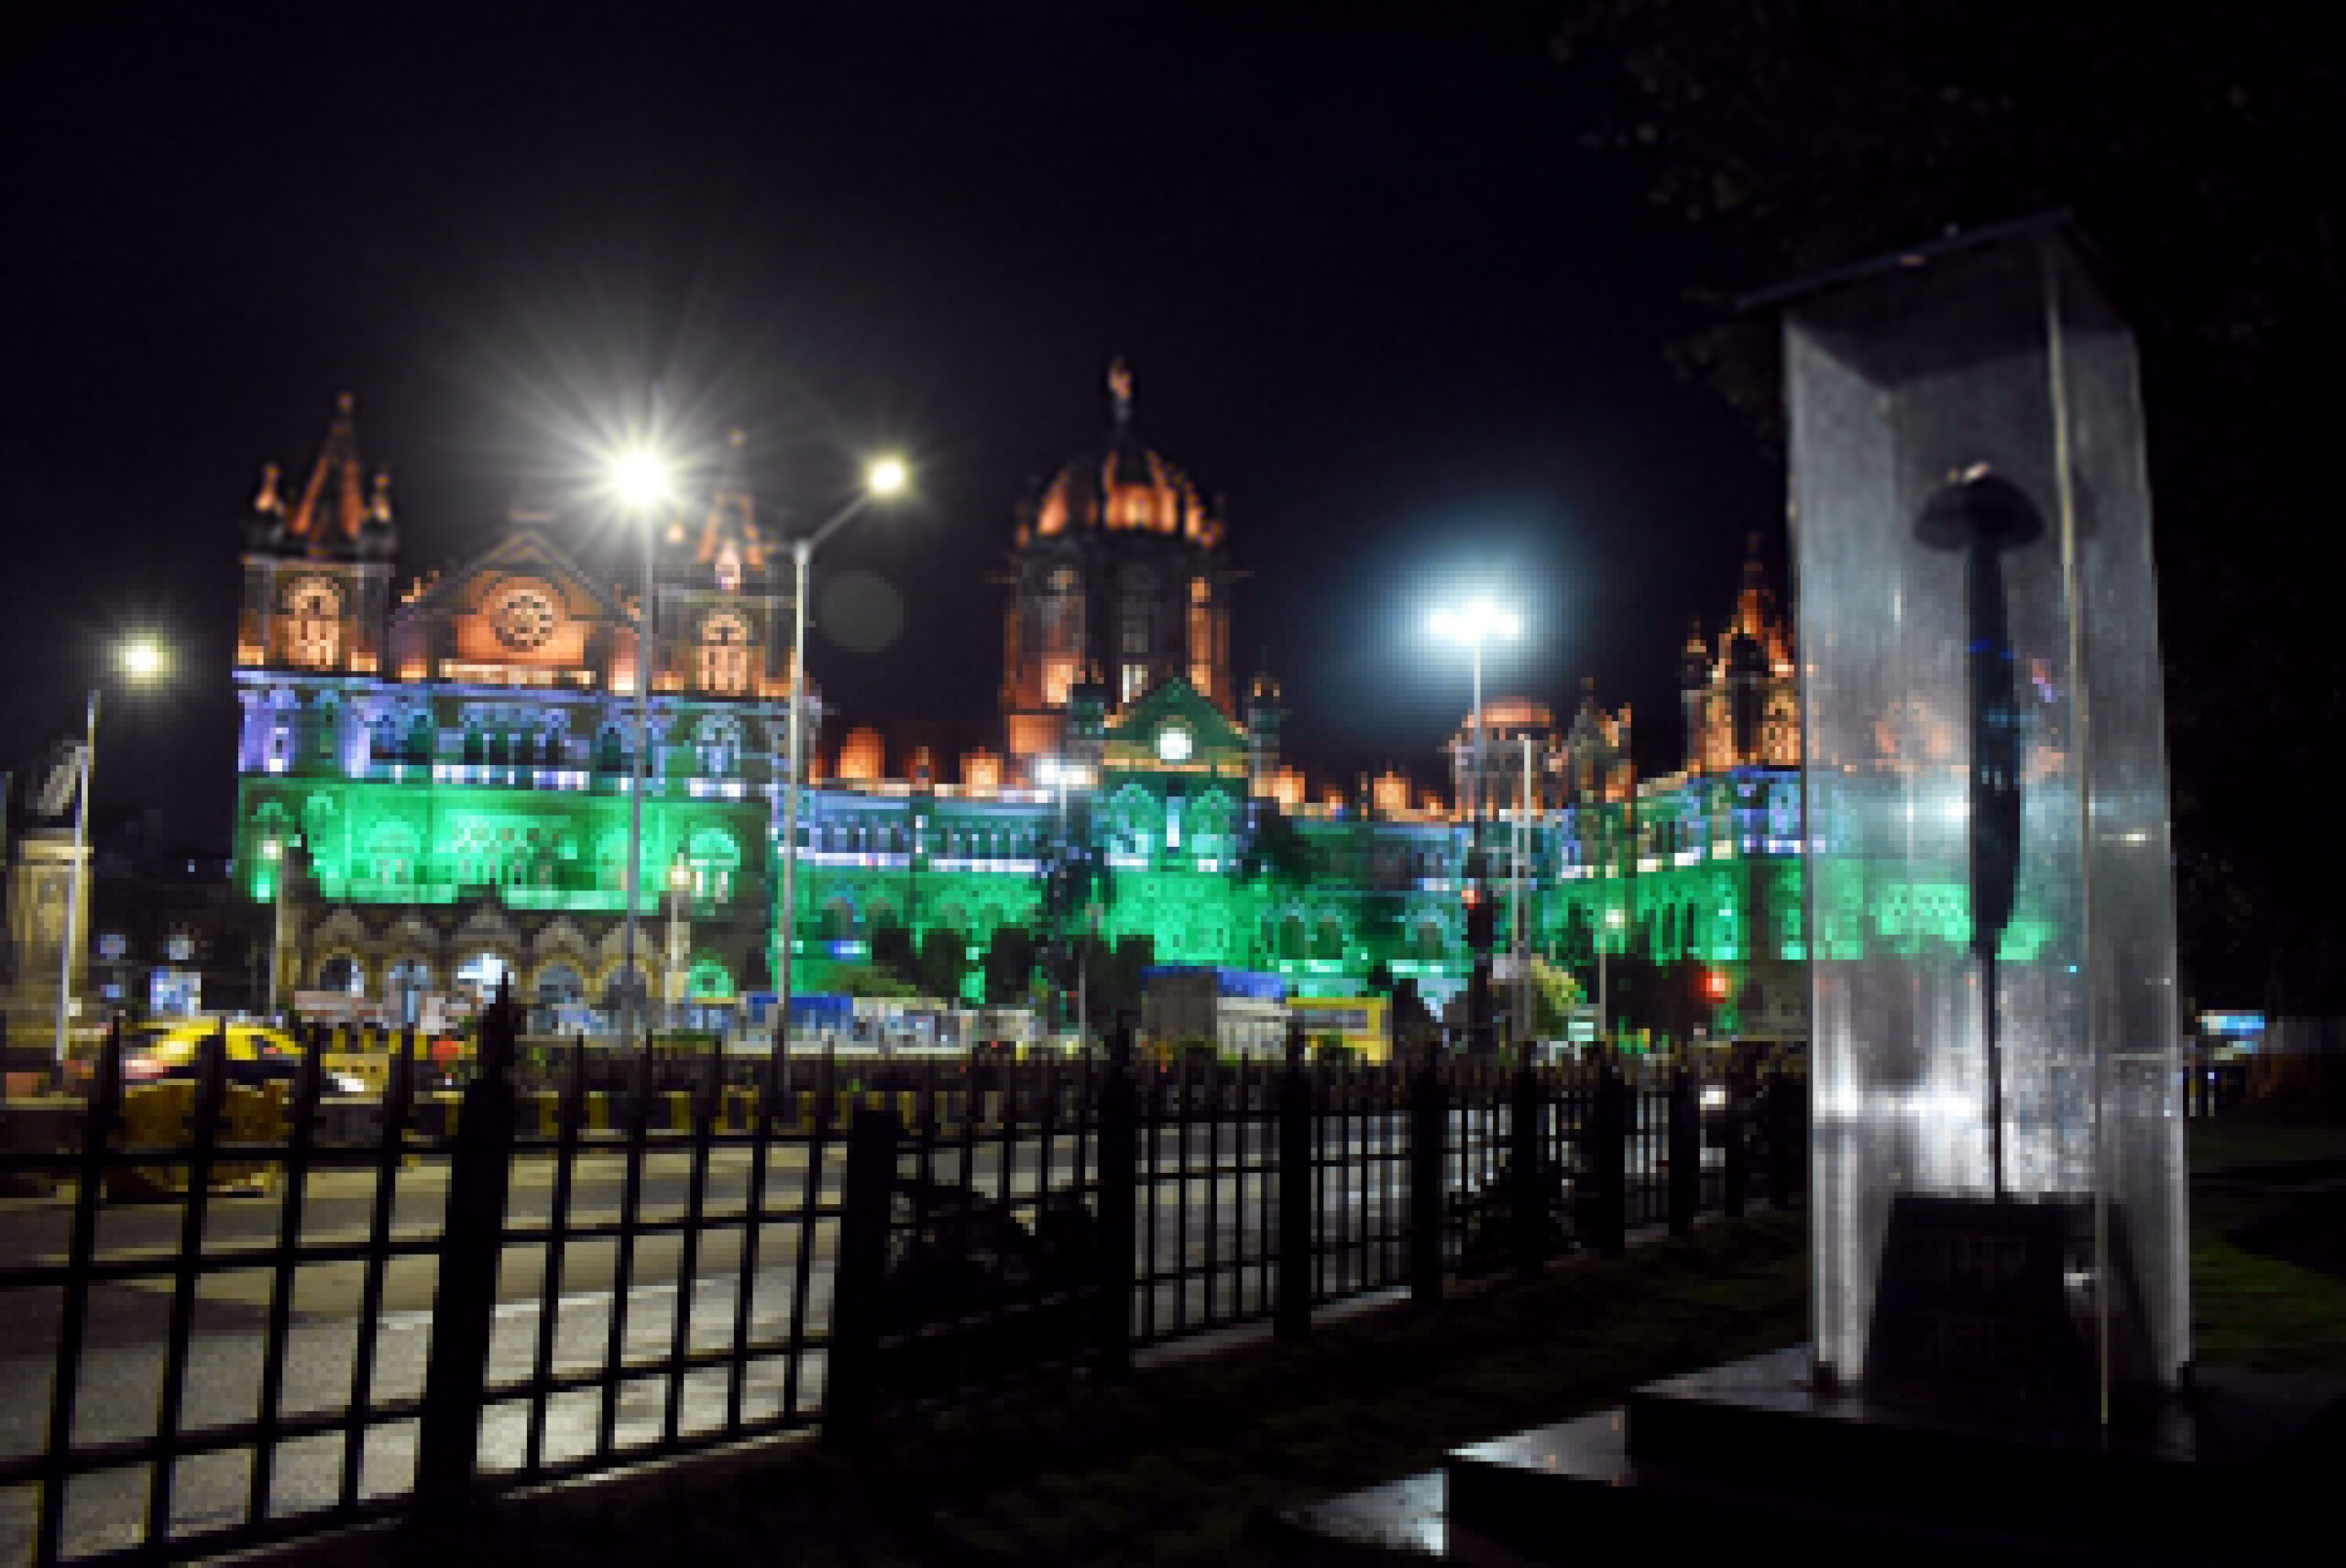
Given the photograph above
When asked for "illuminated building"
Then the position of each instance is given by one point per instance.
(1119, 580)
(433, 788)
(441, 769)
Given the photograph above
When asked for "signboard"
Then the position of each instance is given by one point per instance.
(175, 992)
(338, 1007)
(1358, 1022)
(440, 1014)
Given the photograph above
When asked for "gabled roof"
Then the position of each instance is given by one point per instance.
(520, 551)
(1213, 739)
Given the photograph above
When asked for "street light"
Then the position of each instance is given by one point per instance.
(680, 888)
(142, 659)
(1612, 923)
(642, 480)
(884, 478)
(1059, 775)
(277, 852)
(1475, 624)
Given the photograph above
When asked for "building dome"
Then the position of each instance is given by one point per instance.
(1124, 488)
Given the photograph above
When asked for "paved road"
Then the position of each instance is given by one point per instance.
(126, 1323)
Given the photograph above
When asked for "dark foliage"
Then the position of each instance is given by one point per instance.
(2199, 146)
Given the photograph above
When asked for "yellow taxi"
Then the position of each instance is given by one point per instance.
(171, 1048)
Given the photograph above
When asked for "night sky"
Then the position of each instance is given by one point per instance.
(1374, 292)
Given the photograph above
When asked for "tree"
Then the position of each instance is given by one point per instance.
(1555, 996)
(869, 979)
(943, 964)
(2199, 147)
(1009, 965)
(1277, 852)
(1413, 1021)
(1111, 974)
(892, 953)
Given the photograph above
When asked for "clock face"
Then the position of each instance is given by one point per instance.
(524, 616)
(1173, 743)
(314, 598)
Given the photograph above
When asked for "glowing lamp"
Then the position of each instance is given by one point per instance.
(144, 659)
(641, 479)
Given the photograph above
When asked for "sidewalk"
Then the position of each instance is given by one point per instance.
(1195, 1457)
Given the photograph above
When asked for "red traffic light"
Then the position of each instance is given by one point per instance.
(1715, 985)
(1481, 920)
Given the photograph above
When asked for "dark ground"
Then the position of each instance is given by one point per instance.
(1193, 1460)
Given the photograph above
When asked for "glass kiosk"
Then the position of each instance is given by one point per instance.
(1998, 1137)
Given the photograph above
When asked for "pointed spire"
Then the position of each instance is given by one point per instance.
(378, 536)
(1120, 391)
(268, 502)
(337, 465)
(1752, 605)
(731, 542)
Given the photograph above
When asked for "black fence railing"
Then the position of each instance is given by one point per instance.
(247, 1309)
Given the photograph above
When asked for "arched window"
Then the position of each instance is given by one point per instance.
(404, 984)
(610, 750)
(391, 854)
(475, 746)
(559, 984)
(422, 738)
(1425, 940)
(313, 623)
(719, 744)
(714, 861)
(1291, 940)
(1328, 940)
(624, 980)
(725, 654)
(482, 974)
(341, 973)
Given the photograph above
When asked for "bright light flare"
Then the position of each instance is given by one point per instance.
(1478, 622)
(885, 477)
(144, 659)
(641, 479)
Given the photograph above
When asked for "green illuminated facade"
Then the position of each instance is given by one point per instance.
(439, 773)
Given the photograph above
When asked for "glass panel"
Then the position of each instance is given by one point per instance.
(1993, 1010)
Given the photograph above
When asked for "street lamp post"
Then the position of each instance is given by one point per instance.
(278, 852)
(642, 480)
(1059, 775)
(1611, 922)
(1474, 626)
(680, 888)
(886, 479)
(141, 660)
(1520, 844)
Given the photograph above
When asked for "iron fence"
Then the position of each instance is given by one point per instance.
(246, 1310)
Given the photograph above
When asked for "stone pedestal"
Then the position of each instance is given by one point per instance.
(1752, 1459)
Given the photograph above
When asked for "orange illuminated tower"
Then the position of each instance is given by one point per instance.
(1119, 582)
